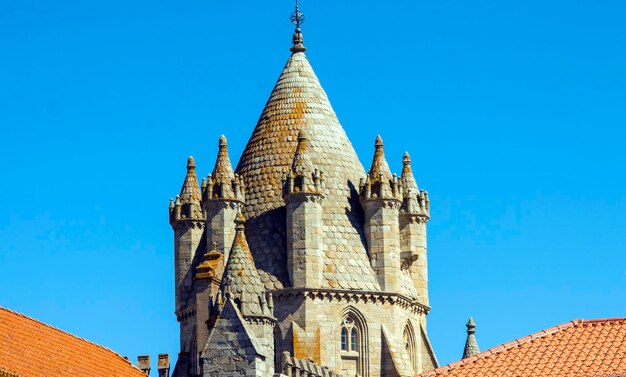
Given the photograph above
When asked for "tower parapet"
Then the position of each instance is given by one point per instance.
(414, 214)
(381, 198)
(223, 194)
(303, 196)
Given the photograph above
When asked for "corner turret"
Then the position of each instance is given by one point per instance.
(414, 215)
(223, 195)
(302, 192)
(187, 219)
(381, 197)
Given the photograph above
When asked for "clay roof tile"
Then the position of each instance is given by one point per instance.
(32, 348)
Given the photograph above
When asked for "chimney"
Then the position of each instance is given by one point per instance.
(143, 363)
(164, 365)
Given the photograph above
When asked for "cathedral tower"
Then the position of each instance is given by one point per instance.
(329, 275)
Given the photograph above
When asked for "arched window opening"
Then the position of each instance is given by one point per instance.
(353, 344)
(409, 344)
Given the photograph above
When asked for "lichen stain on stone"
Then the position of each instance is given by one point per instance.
(299, 110)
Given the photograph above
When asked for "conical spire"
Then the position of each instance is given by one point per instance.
(190, 192)
(471, 346)
(223, 183)
(241, 281)
(223, 170)
(380, 167)
(298, 102)
(303, 177)
(380, 183)
(408, 179)
(188, 204)
(301, 160)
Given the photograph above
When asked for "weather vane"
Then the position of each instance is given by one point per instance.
(297, 17)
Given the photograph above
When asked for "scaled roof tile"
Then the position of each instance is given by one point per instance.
(298, 102)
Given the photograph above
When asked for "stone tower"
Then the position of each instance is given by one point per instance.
(330, 274)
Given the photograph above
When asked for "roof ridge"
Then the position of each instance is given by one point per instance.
(514, 343)
(599, 320)
(67, 333)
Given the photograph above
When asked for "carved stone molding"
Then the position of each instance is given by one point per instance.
(186, 224)
(311, 197)
(186, 313)
(223, 204)
(350, 296)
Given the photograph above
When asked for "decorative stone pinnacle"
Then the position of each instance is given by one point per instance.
(406, 159)
(191, 163)
(223, 142)
(240, 220)
(471, 326)
(302, 136)
(471, 345)
(379, 142)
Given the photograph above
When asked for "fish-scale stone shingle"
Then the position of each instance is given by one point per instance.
(241, 281)
(298, 102)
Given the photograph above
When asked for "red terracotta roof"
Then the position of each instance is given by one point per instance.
(576, 348)
(32, 348)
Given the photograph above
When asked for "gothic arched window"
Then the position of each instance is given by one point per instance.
(349, 335)
(409, 344)
(353, 344)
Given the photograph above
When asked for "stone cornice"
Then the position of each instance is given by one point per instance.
(223, 203)
(352, 296)
(184, 224)
(415, 217)
(186, 313)
(304, 196)
(383, 202)
(259, 319)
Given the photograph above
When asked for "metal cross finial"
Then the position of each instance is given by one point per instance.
(298, 42)
(297, 17)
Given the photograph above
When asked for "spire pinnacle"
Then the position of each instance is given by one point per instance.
(297, 18)
(471, 345)
(241, 278)
(379, 168)
(188, 204)
(223, 169)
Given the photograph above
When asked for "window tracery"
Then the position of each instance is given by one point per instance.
(353, 344)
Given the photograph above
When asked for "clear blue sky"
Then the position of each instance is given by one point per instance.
(514, 113)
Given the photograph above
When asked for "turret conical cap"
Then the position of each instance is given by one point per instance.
(190, 197)
(380, 167)
(223, 170)
(471, 345)
(407, 177)
(241, 278)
